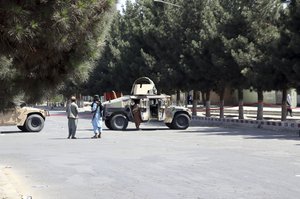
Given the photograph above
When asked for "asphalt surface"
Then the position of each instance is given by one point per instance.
(154, 163)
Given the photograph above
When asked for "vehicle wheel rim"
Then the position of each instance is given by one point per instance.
(119, 121)
(35, 122)
(182, 121)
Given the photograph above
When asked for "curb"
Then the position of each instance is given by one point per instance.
(265, 124)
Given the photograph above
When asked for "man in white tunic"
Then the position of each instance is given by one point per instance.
(289, 105)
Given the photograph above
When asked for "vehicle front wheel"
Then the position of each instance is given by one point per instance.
(23, 128)
(34, 123)
(118, 122)
(107, 124)
(181, 121)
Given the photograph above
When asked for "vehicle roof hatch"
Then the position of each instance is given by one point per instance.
(143, 86)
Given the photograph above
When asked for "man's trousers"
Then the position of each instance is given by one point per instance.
(72, 123)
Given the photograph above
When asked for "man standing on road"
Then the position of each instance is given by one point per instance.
(97, 116)
(136, 112)
(289, 105)
(72, 113)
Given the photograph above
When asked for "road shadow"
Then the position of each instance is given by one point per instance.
(77, 138)
(16, 132)
(84, 130)
(203, 130)
(247, 133)
(135, 130)
(147, 129)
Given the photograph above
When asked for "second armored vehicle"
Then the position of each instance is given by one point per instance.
(27, 119)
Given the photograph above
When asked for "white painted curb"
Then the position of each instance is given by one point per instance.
(273, 125)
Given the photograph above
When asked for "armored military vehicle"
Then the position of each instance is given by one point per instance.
(27, 119)
(153, 107)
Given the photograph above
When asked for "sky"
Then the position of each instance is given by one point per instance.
(120, 3)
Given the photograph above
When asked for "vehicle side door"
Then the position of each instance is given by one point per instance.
(161, 109)
(145, 109)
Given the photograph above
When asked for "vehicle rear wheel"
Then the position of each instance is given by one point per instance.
(181, 121)
(118, 122)
(107, 124)
(23, 128)
(34, 123)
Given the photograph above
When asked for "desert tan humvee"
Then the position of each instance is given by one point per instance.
(27, 119)
(117, 112)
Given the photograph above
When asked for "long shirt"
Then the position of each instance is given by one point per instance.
(72, 111)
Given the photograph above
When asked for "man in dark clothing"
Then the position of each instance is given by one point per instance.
(136, 112)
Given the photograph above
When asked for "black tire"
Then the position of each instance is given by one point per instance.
(34, 123)
(181, 121)
(118, 122)
(23, 128)
(169, 125)
(107, 124)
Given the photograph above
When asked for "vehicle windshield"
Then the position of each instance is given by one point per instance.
(14, 104)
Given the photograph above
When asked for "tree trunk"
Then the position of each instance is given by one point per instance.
(207, 103)
(195, 100)
(283, 105)
(177, 97)
(241, 103)
(260, 106)
(222, 103)
(186, 101)
(78, 99)
(203, 98)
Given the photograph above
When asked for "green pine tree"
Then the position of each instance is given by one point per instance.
(43, 42)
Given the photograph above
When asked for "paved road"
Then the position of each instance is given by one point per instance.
(155, 163)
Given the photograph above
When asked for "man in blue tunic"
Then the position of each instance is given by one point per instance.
(97, 116)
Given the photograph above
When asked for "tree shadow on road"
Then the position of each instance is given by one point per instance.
(247, 133)
(203, 129)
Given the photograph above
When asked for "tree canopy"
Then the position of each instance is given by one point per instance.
(45, 42)
(203, 45)
(200, 45)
